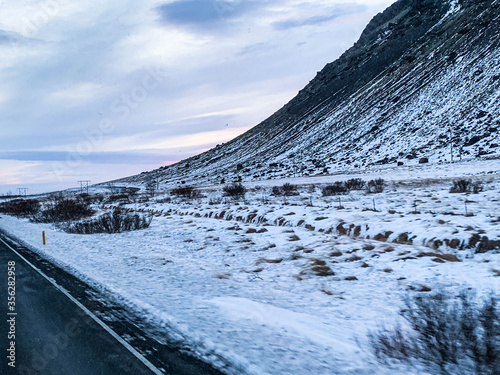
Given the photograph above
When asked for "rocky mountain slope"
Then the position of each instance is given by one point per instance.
(422, 82)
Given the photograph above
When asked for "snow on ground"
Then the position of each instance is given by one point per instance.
(287, 285)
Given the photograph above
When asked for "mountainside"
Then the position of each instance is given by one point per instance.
(423, 81)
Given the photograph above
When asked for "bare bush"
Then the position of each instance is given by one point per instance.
(20, 207)
(355, 184)
(185, 192)
(376, 186)
(64, 210)
(286, 189)
(276, 191)
(446, 334)
(236, 190)
(336, 189)
(466, 186)
(115, 222)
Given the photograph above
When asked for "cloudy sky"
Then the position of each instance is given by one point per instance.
(98, 90)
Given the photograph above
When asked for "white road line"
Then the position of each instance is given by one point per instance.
(89, 313)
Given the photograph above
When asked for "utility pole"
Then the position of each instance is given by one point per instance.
(23, 192)
(84, 186)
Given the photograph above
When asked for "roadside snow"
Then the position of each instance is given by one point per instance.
(238, 282)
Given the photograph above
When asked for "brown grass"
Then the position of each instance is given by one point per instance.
(388, 249)
(320, 267)
(271, 261)
(271, 246)
(442, 257)
(354, 258)
(323, 271)
(318, 262)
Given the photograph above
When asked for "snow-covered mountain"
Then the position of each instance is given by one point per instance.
(422, 82)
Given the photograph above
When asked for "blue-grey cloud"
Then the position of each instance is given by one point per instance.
(254, 48)
(332, 14)
(9, 37)
(200, 13)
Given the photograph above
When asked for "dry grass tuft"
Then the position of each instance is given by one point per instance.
(388, 249)
(320, 267)
(354, 258)
(318, 262)
(439, 257)
(323, 271)
(271, 261)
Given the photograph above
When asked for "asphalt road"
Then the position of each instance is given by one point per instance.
(50, 334)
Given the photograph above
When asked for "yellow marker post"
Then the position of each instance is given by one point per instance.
(43, 237)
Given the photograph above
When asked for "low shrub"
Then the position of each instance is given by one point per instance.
(452, 335)
(276, 191)
(375, 186)
(355, 184)
(114, 222)
(236, 190)
(466, 186)
(336, 189)
(64, 210)
(20, 207)
(185, 192)
(286, 189)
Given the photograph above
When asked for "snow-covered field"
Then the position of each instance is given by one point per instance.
(291, 285)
